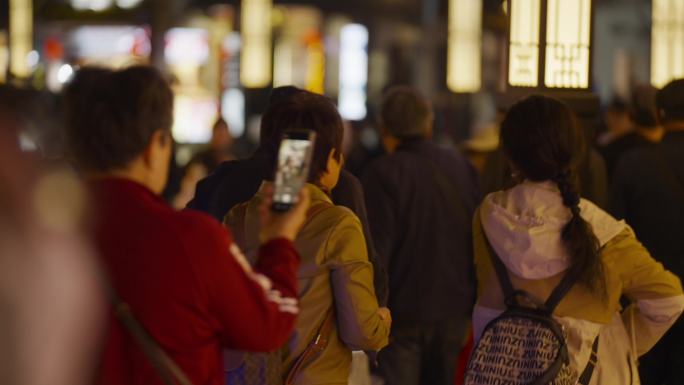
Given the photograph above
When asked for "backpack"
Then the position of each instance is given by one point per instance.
(525, 345)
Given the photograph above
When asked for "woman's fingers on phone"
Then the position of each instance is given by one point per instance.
(285, 225)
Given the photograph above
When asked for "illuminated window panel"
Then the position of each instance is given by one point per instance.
(353, 71)
(667, 41)
(21, 37)
(568, 31)
(523, 66)
(255, 69)
(465, 45)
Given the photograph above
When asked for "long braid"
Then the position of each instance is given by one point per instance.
(585, 255)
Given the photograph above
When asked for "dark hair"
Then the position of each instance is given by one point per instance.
(542, 140)
(406, 113)
(278, 94)
(307, 111)
(670, 101)
(643, 110)
(112, 115)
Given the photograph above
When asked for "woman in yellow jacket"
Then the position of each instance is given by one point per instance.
(541, 230)
(335, 274)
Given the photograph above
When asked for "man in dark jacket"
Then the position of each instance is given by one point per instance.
(420, 200)
(648, 191)
(238, 181)
(645, 130)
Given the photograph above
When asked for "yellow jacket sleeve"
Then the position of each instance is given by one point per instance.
(360, 326)
(656, 293)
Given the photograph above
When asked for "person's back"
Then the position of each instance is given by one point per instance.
(426, 240)
(645, 132)
(335, 276)
(541, 230)
(648, 192)
(179, 273)
(420, 200)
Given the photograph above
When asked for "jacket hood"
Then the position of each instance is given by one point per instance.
(524, 224)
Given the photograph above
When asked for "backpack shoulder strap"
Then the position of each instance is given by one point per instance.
(501, 271)
(568, 281)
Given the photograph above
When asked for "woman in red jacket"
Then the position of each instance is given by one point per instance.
(183, 277)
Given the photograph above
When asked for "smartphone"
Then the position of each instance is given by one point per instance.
(294, 163)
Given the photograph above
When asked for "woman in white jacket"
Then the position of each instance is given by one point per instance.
(541, 229)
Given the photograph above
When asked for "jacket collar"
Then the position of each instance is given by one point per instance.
(316, 193)
(123, 186)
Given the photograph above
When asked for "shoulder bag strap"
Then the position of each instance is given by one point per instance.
(315, 347)
(585, 377)
(169, 372)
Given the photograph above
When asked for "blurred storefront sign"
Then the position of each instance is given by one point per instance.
(353, 71)
(464, 57)
(255, 71)
(667, 41)
(21, 36)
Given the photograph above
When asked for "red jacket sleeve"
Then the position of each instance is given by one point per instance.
(255, 309)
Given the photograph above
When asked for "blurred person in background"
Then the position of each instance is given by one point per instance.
(52, 306)
(219, 149)
(648, 192)
(179, 274)
(645, 129)
(204, 163)
(420, 200)
(238, 181)
(335, 275)
(617, 122)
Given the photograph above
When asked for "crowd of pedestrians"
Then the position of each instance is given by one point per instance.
(413, 261)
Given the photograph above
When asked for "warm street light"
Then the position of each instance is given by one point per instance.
(464, 58)
(667, 41)
(550, 43)
(255, 66)
(21, 37)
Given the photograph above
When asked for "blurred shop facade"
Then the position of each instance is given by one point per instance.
(223, 57)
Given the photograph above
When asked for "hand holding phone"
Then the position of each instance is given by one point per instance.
(294, 163)
(285, 225)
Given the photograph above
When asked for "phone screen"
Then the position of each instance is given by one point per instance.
(294, 158)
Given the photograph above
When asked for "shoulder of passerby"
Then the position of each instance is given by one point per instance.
(348, 192)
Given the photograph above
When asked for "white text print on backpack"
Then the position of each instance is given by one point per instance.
(525, 345)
